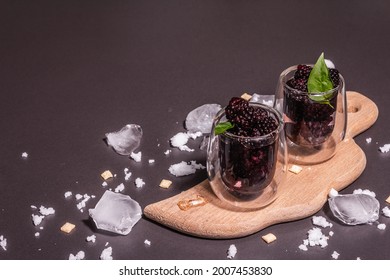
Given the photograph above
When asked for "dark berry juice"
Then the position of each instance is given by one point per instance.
(247, 166)
(308, 123)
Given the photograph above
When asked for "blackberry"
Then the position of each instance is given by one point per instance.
(299, 84)
(239, 112)
(334, 77)
(249, 121)
(302, 72)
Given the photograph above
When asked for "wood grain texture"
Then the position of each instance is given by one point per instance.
(300, 196)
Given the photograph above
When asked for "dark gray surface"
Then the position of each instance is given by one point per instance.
(72, 71)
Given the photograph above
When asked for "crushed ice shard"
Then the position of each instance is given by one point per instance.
(201, 118)
(126, 140)
(354, 209)
(116, 212)
(264, 99)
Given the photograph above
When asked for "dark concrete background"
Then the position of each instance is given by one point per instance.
(71, 71)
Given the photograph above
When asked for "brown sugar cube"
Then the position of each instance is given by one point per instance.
(106, 175)
(165, 184)
(246, 96)
(296, 169)
(269, 238)
(67, 227)
(388, 200)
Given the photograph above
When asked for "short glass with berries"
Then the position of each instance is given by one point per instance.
(313, 101)
(245, 156)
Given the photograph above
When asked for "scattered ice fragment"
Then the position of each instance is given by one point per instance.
(83, 202)
(139, 183)
(125, 141)
(367, 192)
(368, 140)
(180, 140)
(151, 161)
(385, 148)
(381, 226)
(194, 135)
(386, 211)
(136, 156)
(3, 242)
(91, 238)
(37, 219)
(147, 242)
(232, 251)
(167, 152)
(183, 168)
(24, 155)
(264, 99)
(335, 255)
(106, 254)
(201, 118)
(68, 194)
(303, 247)
(333, 193)
(204, 143)
(33, 207)
(331, 233)
(120, 188)
(79, 256)
(104, 184)
(127, 174)
(321, 221)
(329, 63)
(37, 234)
(317, 238)
(116, 212)
(78, 196)
(353, 209)
(46, 211)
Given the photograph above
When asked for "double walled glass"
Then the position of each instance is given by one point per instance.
(314, 123)
(246, 171)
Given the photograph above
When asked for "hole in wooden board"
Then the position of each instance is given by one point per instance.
(354, 108)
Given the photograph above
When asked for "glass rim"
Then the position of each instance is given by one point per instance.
(293, 68)
(275, 112)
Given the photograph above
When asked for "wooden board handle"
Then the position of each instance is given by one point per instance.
(362, 113)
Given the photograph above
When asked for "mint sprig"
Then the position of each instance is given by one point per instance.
(319, 82)
(222, 127)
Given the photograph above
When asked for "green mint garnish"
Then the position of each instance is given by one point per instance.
(222, 127)
(319, 82)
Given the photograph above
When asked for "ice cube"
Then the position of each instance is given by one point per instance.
(201, 118)
(116, 212)
(125, 141)
(354, 209)
(264, 99)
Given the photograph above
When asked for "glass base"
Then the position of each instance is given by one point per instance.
(311, 154)
(253, 201)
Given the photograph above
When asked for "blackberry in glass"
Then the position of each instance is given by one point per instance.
(309, 122)
(248, 150)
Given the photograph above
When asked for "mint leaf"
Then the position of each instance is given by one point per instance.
(319, 82)
(222, 127)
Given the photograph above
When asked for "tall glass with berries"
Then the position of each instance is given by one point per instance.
(245, 156)
(313, 102)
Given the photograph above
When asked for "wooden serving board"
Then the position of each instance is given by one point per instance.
(300, 196)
